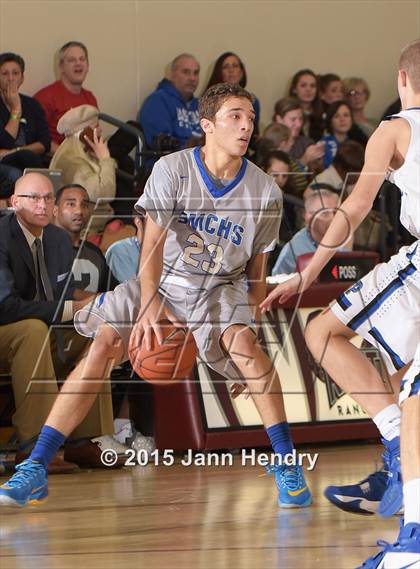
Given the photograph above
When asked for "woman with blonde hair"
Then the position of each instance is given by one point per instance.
(357, 93)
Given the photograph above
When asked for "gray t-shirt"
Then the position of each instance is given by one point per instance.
(212, 232)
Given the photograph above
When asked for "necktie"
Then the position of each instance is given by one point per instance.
(43, 283)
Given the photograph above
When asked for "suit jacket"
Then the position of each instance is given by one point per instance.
(17, 273)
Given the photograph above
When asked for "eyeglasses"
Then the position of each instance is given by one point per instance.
(36, 198)
(353, 92)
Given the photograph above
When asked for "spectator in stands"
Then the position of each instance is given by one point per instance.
(320, 208)
(277, 163)
(229, 68)
(304, 87)
(330, 89)
(278, 137)
(84, 159)
(368, 235)
(24, 137)
(72, 213)
(35, 273)
(345, 168)
(123, 256)
(68, 92)
(339, 127)
(288, 111)
(169, 116)
(357, 94)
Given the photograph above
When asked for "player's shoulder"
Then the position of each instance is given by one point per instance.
(395, 132)
(264, 181)
(177, 161)
(256, 172)
(393, 124)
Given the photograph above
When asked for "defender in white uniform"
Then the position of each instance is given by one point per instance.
(384, 308)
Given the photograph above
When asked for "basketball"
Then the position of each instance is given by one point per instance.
(169, 362)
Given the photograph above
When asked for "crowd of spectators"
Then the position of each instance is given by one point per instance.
(313, 148)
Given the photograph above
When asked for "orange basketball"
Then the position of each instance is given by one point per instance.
(169, 362)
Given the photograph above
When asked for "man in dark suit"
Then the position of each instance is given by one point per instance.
(36, 295)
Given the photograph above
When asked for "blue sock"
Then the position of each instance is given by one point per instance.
(280, 438)
(47, 445)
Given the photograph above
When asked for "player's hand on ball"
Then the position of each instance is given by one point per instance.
(161, 349)
(293, 285)
(148, 324)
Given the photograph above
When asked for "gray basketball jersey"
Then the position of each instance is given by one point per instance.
(212, 232)
(407, 178)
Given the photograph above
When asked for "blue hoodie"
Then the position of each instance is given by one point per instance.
(165, 111)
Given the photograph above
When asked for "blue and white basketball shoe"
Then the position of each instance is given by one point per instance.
(380, 492)
(403, 554)
(361, 498)
(29, 485)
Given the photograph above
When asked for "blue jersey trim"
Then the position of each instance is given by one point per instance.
(380, 298)
(100, 300)
(395, 358)
(343, 301)
(218, 192)
(413, 252)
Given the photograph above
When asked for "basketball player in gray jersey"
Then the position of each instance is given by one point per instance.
(384, 308)
(211, 219)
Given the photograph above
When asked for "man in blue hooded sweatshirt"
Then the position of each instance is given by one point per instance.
(172, 108)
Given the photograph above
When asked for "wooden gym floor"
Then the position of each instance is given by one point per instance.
(193, 518)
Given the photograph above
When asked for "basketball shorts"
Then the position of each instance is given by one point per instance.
(207, 313)
(384, 308)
